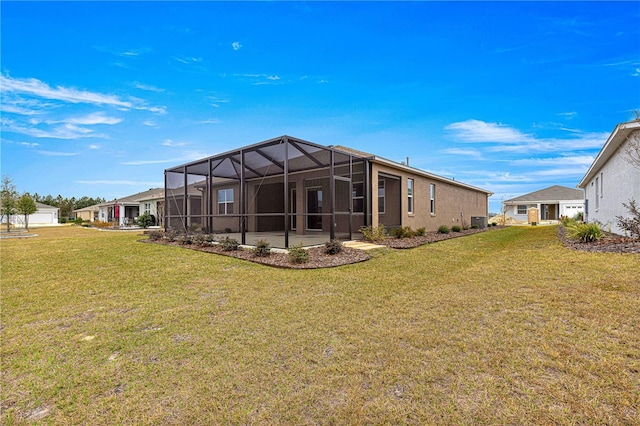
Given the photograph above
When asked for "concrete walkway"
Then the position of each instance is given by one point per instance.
(361, 245)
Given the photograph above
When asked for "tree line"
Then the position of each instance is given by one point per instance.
(13, 203)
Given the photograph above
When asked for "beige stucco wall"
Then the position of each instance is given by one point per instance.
(450, 201)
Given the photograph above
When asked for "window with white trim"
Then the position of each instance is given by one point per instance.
(358, 197)
(381, 196)
(432, 198)
(522, 209)
(410, 196)
(225, 201)
(147, 208)
(597, 193)
(601, 185)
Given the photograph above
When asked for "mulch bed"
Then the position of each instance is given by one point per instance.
(609, 243)
(317, 256)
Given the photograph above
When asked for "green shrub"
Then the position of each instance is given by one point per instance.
(184, 239)
(297, 254)
(145, 220)
(494, 223)
(456, 228)
(403, 232)
(374, 235)
(630, 224)
(585, 232)
(443, 229)
(229, 244)
(200, 239)
(262, 248)
(421, 232)
(62, 220)
(332, 247)
(474, 226)
(78, 221)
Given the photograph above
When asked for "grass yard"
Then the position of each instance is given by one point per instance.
(501, 327)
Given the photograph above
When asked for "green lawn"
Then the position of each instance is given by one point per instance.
(501, 327)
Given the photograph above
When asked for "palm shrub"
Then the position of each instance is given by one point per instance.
(262, 248)
(443, 229)
(456, 228)
(332, 247)
(421, 232)
(144, 220)
(297, 254)
(585, 232)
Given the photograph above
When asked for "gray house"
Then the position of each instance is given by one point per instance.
(612, 179)
(552, 203)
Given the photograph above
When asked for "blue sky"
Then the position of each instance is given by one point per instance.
(99, 98)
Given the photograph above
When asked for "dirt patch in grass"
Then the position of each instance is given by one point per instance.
(610, 243)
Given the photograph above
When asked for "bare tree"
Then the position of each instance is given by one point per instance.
(632, 149)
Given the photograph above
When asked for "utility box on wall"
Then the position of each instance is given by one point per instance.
(533, 215)
(479, 221)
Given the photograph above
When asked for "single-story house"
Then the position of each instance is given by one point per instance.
(612, 179)
(125, 210)
(551, 203)
(43, 216)
(88, 214)
(288, 190)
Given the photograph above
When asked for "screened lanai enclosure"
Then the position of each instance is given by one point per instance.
(284, 190)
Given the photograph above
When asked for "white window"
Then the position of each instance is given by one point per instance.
(597, 193)
(432, 198)
(225, 201)
(381, 196)
(410, 196)
(358, 197)
(601, 185)
(522, 209)
(147, 208)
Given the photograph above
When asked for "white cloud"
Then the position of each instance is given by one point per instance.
(40, 89)
(66, 131)
(149, 123)
(93, 146)
(568, 115)
(147, 87)
(145, 162)
(581, 160)
(459, 151)
(188, 59)
(57, 154)
(481, 131)
(236, 45)
(260, 79)
(29, 144)
(93, 119)
(169, 142)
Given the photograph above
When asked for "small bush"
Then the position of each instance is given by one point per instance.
(156, 235)
(332, 247)
(456, 228)
(374, 235)
(171, 235)
(101, 224)
(262, 248)
(421, 232)
(184, 239)
(474, 226)
(229, 244)
(579, 217)
(62, 220)
(403, 232)
(297, 254)
(145, 220)
(585, 232)
(200, 239)
(443, 229)
(494, 223)
(78, 221)
(631, 224)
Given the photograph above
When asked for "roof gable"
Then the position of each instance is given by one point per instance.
(552, 193)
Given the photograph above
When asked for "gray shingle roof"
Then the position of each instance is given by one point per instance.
(552, 193)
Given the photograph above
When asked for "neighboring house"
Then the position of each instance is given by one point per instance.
(612, 179)
(125, 210)
(289, 187)
(552, 203)
(88, 214)
(44, 215)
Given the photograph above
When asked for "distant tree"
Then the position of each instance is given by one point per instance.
(8, 195)
(26, 206)
(632, 149)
